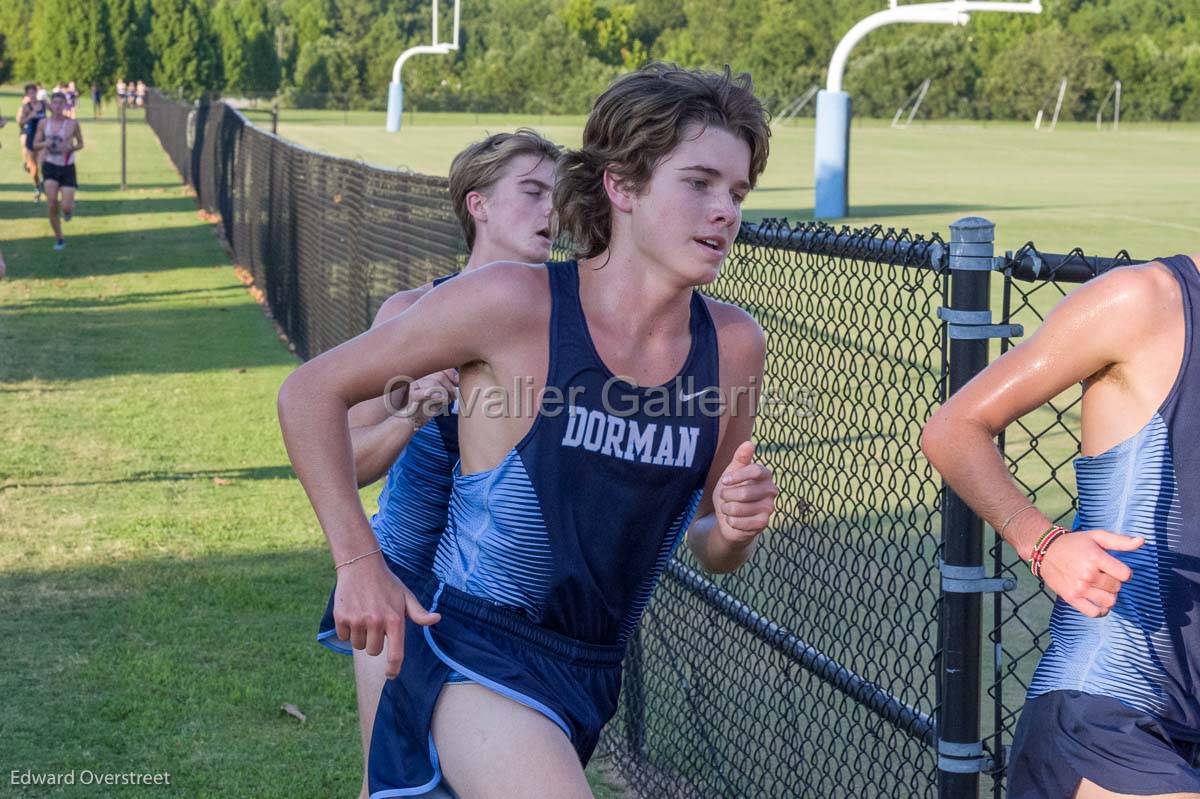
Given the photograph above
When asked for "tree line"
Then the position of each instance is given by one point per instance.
(554, 56)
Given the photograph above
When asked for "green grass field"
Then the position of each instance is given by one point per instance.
(1076, 187)
(161, 572)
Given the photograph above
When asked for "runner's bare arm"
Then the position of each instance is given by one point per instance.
(477, 316)
(474, 315)
(1098, 325)
(76, 138)
(739, 494)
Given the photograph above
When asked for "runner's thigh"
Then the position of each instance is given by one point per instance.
(491, 747)
(370, 673)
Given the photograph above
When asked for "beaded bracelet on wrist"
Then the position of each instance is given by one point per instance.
(1042, 546)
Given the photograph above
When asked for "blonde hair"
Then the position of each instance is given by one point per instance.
(636, 123)
(478, 167)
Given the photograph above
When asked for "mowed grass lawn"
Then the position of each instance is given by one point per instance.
(1075, 187)
(161, 573)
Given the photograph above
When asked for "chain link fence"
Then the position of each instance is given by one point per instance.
(821, 669)
(811, 672)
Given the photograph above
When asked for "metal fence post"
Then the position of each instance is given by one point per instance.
(960, 749)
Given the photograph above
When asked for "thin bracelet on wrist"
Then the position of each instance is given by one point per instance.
(357, 557)
(1010, 519)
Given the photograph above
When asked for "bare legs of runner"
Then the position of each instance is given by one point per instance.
(31, 168)
(491, 747)
(370, 673)
(66, 204)
(52, 203)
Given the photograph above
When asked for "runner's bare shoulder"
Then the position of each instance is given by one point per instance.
(739, 335)
(398, 303)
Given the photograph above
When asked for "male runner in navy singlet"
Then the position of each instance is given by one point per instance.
(564, 511)
(500, 189)
(32, 111)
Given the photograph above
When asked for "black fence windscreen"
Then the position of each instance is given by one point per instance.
(326, 239)
(820, 669)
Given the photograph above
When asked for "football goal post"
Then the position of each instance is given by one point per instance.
(395, 108)
(831, 161)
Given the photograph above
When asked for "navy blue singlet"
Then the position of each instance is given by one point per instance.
(550, 558)
(1146, 652)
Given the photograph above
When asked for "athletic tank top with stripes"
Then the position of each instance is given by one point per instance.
(1146, 651)
(575, 526)
(416, 493)
(56, 137)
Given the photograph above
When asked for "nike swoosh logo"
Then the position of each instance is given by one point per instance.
(693, 395)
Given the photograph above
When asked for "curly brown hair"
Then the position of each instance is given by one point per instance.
(478, 167)
(634, 125)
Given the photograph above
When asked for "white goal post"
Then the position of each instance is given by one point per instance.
(395, 109)
(832, 152)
